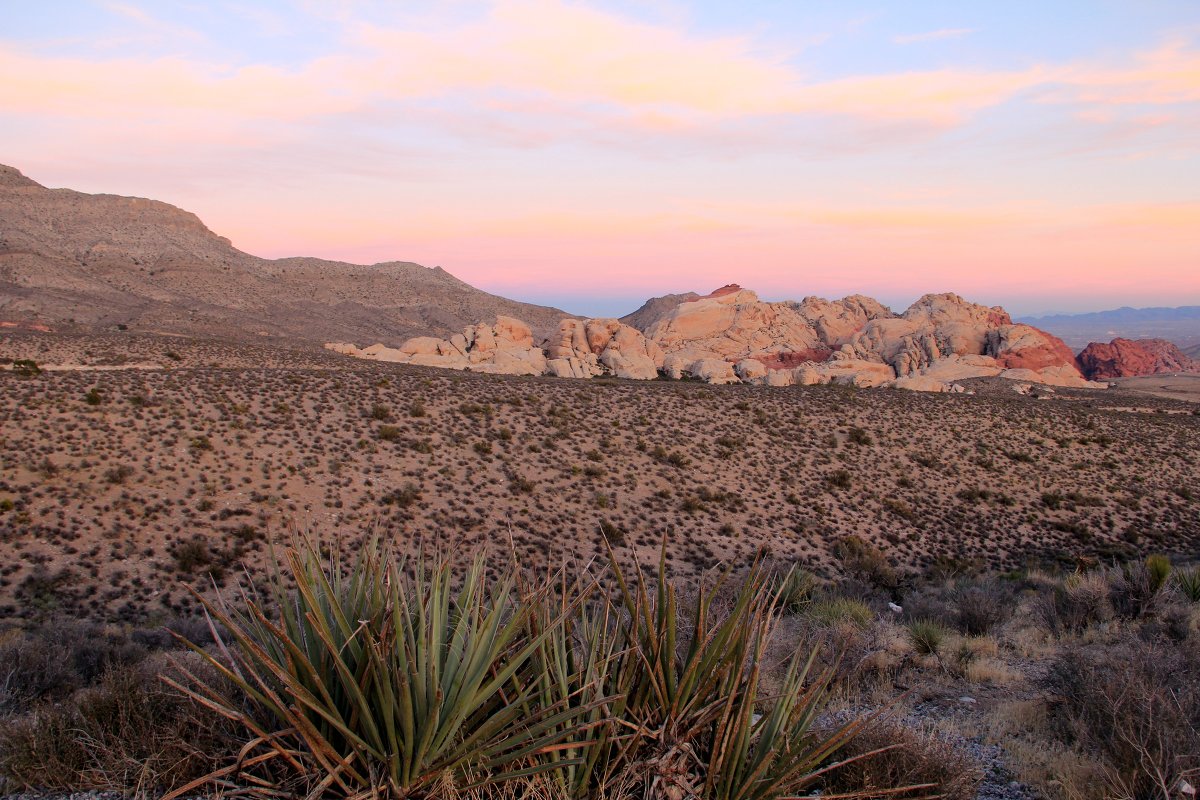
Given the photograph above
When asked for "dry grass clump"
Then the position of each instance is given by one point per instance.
(909, 758)
(128, 731)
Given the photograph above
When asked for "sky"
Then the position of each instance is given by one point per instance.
(1044, 156)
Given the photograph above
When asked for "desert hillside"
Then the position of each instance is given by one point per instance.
(96, 262)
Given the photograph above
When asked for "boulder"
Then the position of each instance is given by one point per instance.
(749, 369)
(712, 370)
(421, 346)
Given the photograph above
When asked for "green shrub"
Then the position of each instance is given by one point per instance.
(388, 433)
(926, 637)
(385, 678)
(839, 610)
(1158, 568)
(26, 368)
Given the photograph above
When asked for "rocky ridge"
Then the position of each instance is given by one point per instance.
(98, 262)
(1125, 358)
(731, 336)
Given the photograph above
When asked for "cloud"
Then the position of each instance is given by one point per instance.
(934, 36)
(1168, 75)
(530, 72)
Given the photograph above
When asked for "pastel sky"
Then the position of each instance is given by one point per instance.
(1040, 154)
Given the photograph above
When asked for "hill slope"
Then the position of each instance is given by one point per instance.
(98, 261)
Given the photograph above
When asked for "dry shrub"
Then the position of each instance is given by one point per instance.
(130, 732)
(863, 560)
(1080, 601)
(1136, 705)
(982, 607)
(56, 659)
(916, 759)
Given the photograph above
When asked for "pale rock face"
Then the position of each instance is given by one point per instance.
(599, 346)
(836, 322)
(431, 360)
(421, 346)
(713, 370)
(732, 324)
(567, 368)
(571, 340)
(633, 365)
(512, 334)
(749, 370)
(856, 372)
(1064, 376)
(730, 336)
(781, 377)
(674, 365)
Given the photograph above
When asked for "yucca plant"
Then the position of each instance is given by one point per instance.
(1188, 583)
(693, 721)
(378, 682)
(796, 588)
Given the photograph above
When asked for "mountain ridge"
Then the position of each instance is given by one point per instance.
(100, 261)
(1180, 325)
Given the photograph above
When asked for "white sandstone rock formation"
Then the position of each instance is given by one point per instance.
(731, 336)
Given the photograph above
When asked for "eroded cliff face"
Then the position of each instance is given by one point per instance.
(731, 336)
(1129, 358)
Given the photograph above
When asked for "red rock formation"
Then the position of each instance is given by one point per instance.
(729, 288)
(1126, 358)
(1050, 352)
(795, 359)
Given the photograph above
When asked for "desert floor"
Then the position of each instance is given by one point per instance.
(183, 459)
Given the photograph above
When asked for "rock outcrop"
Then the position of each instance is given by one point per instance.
(580, 349)
(731, 336)
(1128, 358)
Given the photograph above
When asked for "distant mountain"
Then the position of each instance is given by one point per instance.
(1179, 325)
(92, 262)
(1192, 352)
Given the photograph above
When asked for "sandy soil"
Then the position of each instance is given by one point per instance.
(1176, 387)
